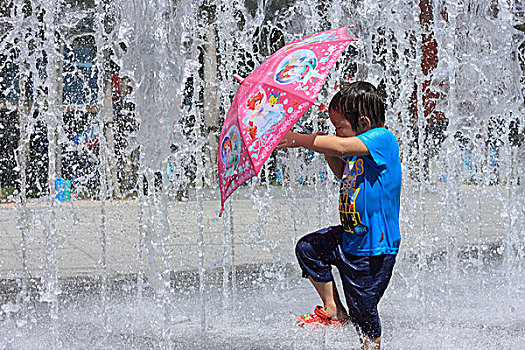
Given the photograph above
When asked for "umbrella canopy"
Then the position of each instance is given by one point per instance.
(271, 100)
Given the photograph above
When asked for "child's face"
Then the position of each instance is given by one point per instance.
(343, 128)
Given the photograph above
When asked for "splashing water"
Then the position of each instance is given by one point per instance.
(125, 99)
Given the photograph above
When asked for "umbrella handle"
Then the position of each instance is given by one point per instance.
(238, 78)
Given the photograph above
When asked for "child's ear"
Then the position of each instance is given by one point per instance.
(365, 122)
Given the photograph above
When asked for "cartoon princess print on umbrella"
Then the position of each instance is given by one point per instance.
(299, 66)
(262, 114)
(230, 150)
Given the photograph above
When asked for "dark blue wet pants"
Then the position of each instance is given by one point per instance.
(364, 278)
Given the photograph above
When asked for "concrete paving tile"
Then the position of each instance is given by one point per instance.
(8, 242)
(9, 262)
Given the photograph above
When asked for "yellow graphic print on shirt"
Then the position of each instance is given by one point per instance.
(350, 218)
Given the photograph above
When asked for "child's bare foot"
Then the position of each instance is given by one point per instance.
(342, 316)
(336, 313)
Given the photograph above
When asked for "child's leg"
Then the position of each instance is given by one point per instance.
(365, 279)
(316, 252)
(330, 297)
(370, 344)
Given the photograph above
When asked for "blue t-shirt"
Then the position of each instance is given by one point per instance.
(370, 195)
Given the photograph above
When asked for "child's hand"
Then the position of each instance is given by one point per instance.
(288, 141)
(292, 139)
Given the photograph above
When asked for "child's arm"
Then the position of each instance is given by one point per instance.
(326, 144)
(336, 164)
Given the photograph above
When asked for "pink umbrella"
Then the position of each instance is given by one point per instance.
(270, 101)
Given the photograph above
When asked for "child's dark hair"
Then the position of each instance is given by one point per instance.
(359, 99)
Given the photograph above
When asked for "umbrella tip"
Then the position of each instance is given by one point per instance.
(238, 78)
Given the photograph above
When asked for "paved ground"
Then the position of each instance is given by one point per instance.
(439, 307)
(266, 224)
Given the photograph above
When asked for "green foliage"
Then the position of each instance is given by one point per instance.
(7, 193)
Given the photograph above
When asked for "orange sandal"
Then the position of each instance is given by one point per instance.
(317, 319)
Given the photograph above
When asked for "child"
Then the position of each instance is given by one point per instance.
(365, 156)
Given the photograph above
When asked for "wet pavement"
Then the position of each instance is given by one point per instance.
(266, 226)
